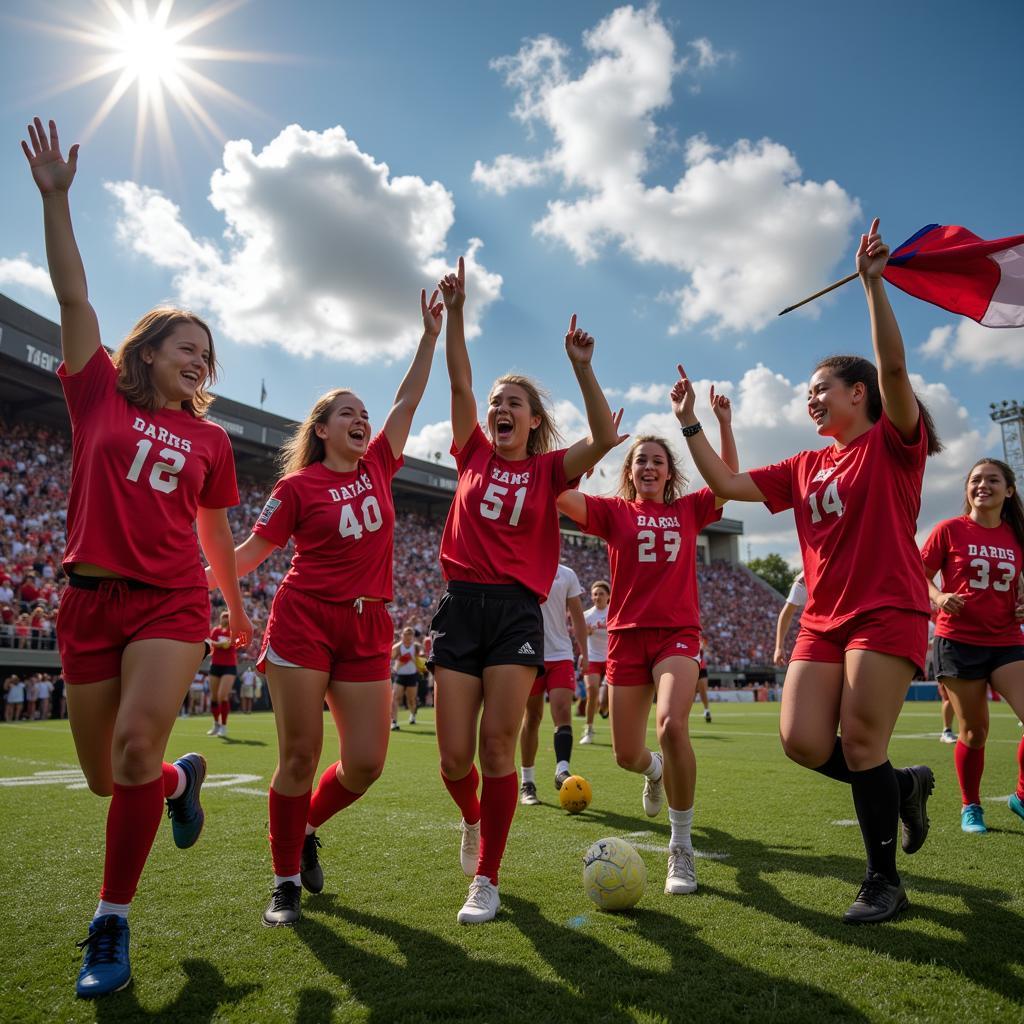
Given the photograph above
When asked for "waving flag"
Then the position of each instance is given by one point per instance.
(955, 269)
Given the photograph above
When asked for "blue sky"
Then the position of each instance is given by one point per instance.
(595, 151)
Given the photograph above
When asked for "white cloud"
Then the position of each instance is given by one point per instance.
(324, 250)
(647, 394)
(705, 56)
(23, 272)
(969, 344)
(722, 220)
(431, 439)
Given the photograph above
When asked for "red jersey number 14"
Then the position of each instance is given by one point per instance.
(831, 503)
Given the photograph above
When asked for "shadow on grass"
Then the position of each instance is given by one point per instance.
(199, 999)
(989, 950)
(436, 979)
(231, 741)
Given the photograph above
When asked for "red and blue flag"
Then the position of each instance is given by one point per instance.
(955, 269)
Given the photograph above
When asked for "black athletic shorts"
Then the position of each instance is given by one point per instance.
(477, 625)
(409, 679)
(216, 671)
(955, 660)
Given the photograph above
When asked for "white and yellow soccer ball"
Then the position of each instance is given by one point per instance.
(614, 874)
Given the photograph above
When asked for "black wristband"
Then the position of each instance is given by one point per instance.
(694, 428)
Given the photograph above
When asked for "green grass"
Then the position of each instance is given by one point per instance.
(760, 941)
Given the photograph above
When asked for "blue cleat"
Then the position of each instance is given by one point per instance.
(105, 968)
(1016, 805)
(184, 811)
(972, 819)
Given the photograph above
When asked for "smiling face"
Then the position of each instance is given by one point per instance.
(833, 405)
(650, 471)
(987, 488)
(510, 420)
(600, 597)
(180, 364)
(345, 431)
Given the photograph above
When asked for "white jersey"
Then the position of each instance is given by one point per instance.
(798, 592)
(557, 642)
(597, 642)
(406, 659)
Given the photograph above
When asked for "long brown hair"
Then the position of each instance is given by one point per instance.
(857, 370)
(134, 377)
(1013, 509)
(304, 448)
(675, 485)
(545, 436)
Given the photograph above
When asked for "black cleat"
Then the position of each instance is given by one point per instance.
(561, 777)
(310, 872)
(285, 907)
(878, 900)
(913, 813)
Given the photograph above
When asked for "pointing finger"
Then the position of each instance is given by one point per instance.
(572, 324)
(462, 270)
(874, 227)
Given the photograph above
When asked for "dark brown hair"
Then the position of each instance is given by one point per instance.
(857, 370)
(1013, 509)
(675, 485)
(603, 585)
(545, 436)
(134, 376)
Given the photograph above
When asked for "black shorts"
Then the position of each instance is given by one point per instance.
(702, 673)
(478, 625)
(954, 660)
(409, 679)
(216, 671)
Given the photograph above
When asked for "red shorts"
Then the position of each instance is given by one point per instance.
(894, 631)
(95, 626)
(329, 636)
(633, 653)
(597, 668)
(557, 675)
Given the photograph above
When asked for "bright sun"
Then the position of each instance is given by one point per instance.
(141, 46)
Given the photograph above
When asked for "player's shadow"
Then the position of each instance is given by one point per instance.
(978, 940)
(231, 741)
(199, 1000)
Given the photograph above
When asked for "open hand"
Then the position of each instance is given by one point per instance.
(453, 287)
(51, 172)
(579, 346)
(872, 253)
(721, 407)
(682, 397)
(619, 438)
(432, 313)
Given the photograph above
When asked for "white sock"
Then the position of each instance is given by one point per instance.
(309, 829)
(562, 766)
(527, 773)
(105, 907)
(281, 879)
(180, 788)
(653, 770)
(680, 822)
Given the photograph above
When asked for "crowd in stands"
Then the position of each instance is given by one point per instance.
(35, 466)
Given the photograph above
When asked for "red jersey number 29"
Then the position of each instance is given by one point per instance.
(164, 475)
(831, 503)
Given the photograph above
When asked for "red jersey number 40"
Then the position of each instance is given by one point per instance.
(831, 503)
(349, 525)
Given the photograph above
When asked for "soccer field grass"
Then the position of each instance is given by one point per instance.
(780, 860)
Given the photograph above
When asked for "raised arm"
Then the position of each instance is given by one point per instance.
(579, 629)
(414, 383)
(725, 481)
(460, 373)
(604, 435)
(898, 398)
(218, 545)
(53, 175)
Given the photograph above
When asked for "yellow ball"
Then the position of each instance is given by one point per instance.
(614, 874)
(575, 794)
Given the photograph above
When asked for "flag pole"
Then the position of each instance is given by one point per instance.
(817, 295)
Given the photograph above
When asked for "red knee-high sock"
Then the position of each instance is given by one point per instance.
(169, 777)
(330, 797)
(970, 764)
(132, 821)
(287, 830)
(498, 803)
(215, 711)
(1020, 770)
(463, 792)
(225, 707)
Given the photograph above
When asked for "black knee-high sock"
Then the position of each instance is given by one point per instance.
(876, 796)
(563, 743)
(836, 767)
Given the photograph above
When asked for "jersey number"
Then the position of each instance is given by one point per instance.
(164, 475)
(349, 525)
(648, 540)
(831, 503)
(492, 503)
(984, 567)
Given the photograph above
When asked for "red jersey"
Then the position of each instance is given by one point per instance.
(983, 566)
(652, 555)
(343, 525)
(856, 513)
(137, 480)
(503, 524)
(222, 655)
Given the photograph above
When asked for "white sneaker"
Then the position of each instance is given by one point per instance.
(482, 902)
(469, 851)
(223, 732)
(654, 792)
(682, 877)
(412, 719)
(215, 730)
(588, 736)
(947, 736)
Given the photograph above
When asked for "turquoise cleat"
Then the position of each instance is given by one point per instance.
(972, 819)
(1016, 805)
(106, 967)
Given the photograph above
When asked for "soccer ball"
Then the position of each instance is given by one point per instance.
(575, 794)
(614, 874)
